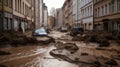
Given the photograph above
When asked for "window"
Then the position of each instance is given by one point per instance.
(95, 12)
(10, 3)
(98, 11)
(102, 10)
(0, 2)
(6, 2)
(119, 5)
(9, 24)
(109, 7)
(105, 9)
(112, 5)
(5, 24)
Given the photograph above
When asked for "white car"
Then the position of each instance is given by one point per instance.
(40, 32)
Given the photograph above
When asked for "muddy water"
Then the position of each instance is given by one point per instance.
(32, 56)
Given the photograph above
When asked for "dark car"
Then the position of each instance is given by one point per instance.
(76, 31)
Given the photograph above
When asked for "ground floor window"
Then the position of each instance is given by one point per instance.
(9, 24)
(118, 5)
(118, 26)
(5, 24)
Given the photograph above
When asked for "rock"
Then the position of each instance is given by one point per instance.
(4, 53)
(111, 62)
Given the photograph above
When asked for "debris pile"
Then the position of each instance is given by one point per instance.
(15, 38)
(4, 53)
(102, 38)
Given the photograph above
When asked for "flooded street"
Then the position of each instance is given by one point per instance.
(39, 55)
(33, 56)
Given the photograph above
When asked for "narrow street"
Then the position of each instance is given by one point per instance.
(34, 56)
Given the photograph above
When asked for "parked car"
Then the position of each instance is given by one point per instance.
(63, 29)
(40, 32)
(76, 31)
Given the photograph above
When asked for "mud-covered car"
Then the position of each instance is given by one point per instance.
(76, 31)
(39, 32)
(63, 29)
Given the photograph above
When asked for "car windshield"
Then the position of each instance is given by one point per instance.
(42, 30)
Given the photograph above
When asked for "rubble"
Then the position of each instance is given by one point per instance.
(68, 46)
(45, 40)
(96, 64)
(84, 54)
(3, 66)
(16, 38)
(93, 38)
(4, 53)
(111, 62)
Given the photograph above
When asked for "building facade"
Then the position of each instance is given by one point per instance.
(64, 13)
(41, 13)
(6, 15)
(45, 23)
(68, 13)
(23, 14)
(75, 13)
(107, 15)
(86, 14)
(83, 14)
(59, 19)
(37, 14)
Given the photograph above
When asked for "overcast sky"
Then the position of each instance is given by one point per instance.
(53, 4)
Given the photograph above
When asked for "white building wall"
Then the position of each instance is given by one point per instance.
(75, 11)
(85, 14)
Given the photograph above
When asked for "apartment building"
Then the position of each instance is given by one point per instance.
(68, 11)
(107, 15)
(41, 13)
(6, 15)
(83, 14)
(45, 23)
(75, 13)
(37, 14)
(23, 14)
(59, 21)
(63, 13)
(86, 14)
